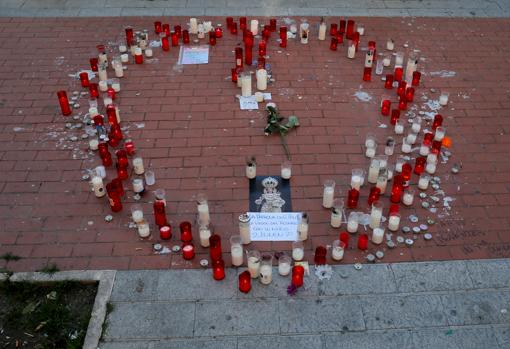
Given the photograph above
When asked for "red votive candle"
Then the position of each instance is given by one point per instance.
(394, 208)
(84, 79)
(219, 32)
(166, 29)
(64, 103)
(436, 147)
(111, 93)
(262, 48)
(298, 273)
(248, 38)
(363, 242)
(212, 38)
(341, 28)
(333, 29)
(283, 43)
(245, 281)
(218, 268)
(438, 121)
(122, 172)
(242, 23)
(367, 74)
(344, 237)
(352, 198)
(355, 40)
(283, 33)
(396, 189)
(106, 159)
(165, 232)
(416, 78)
(239, 57)
(186, 235)
(175, 39)
(129, 146)
(407, 170)
(113, 198)
(102, 148)
(261, 62)
(399, 72)
(129, 35)
(395, 115)
(159, 213)
(419, 165)
(320, 255)
(410, 94)
(111, 114)
(188, 251)
(350, 29)
(385, 107)
(93, 90)
(266, 33)
(334, 44)
(272, 24)
(375, 194)
(94, 64)
(178, 30)
(122, 159)
(215, 247)
(118, 186)
(230, 20)
(234, 74)
(233, 28)
(157, 27)
(402, 103)
(115, 132)
(401, 89)
(185, 37)
(248, 55)
(165, 44)
(388, 84)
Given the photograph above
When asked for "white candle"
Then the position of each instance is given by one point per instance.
(251, 171)
(443, 98)
(386, 61)
(370, 152)
(284, 268)
(393, 222)
(100, 171)
(119, 71)
(322, 31)
(399, 128)
(293, 28)
(375, 216)
(352, 223)
(259, 96)
(237, 255)
(103, 86)
(351, 51)
(373, 171)
(97, 185)
(337, 253)
(244, 228)
(254, 26)
(254, 266)
(408, 198)
(103, 75)
(328, 196)
(122, 48)
(138, 165)
(382, 182)
(116, 86)
(201, 31)
(203, 212)
(432, 158)
(261, 79)
(378, 236)
(298, 253)
(246, 85)
(356, 182)
(124, 58)
(93, 111)
(266, 274)
(411, 138)
(107, 101)
(138, 185)
(137, 216)
(399, 59)
(93, 144)
(369, 59)
(406, 147)
(424, 150)
(412, 63)
(390, 45)
(439, 134)
(431, 168)
(423, 182)
(336, 219)
(360, 29)
(193, 26)
(303, 32)
(416, 126)
(143, 229)
(133, 50)
(286, 173)
(303, 230)
(148, 52)
(204, 233)
(207, 26)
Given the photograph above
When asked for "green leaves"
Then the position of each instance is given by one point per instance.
(277, 124)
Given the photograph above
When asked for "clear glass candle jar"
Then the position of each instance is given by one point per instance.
(266, 269)
(394, 222)
(328, 193)
(303, 227)
(353, 222)
(253, 263)
(284, 265)
(357, 178)
(390, 146)
(337, 251)
(298, 250)
(336, 213)
(236, 250)
(244, 228)
(376, 215)
(203, 208)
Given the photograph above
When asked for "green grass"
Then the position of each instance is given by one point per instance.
(9, 256)
(49, 269)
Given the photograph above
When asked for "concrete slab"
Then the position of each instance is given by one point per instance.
(281, 342)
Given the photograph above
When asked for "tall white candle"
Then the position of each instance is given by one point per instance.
(303, 230)
(254, 266)
(237, 255)
(266, 274)
(336, 219)
(254, 26)
(322, 31)
(261, 79)
(356, 182)
(423, 182)
(138, 165)
(304, 29)
(375, 216)
(204, 233)
(328, 196)
(351, 51)
(378, 236)
(203, 212)
(193, 25)
(103, 75)
(143, 229)
(246, 85)
(244, 228)
(97, 185)
(393, 222)
(382, 181)
(373, 171)
(352, 223)
(337, 253)
(298, 253)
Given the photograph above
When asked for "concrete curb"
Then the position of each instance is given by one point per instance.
(105, 279)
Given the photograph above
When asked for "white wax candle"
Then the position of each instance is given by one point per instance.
(244, 231)
(133, 50)
(373, 172)
(97, 185)
(293, 28)
(207, 26)
(361, 30)
(423, 183)
(148, 52)
(138, 185)
(254, 26)
(117, 114)
(386, 61)
(116, 86)
(144, 230)
(322, 31)
(393, 222)
(430, 168)
(303, 231)
(351, 51)
(254, 266)
(390, 45)
(100, 171)
(382, 182)
(124, 58)
(424, 150)
(443, 99)
(266, 274)
(93, 144)
(370, 152)
(103, 86)
(399, 129)
(352, 225)
(337, 253)
(406, 147)
(431, 158)
(201, 31)
(102, 58)
(375, 218)
(261, 79)
(378, 236)
(399, 59)
(138, 166)
(356, 182)
(137, 216)
(251, 171)
(439, 134)
(370, 142)
(203, 213)
(107, 101)
(246, 85)
(93, 111)
(119, 71)
(237, 255)
(369, 59)
(416, 127)
(259, 96)
(193, 26)
(103, 76)
(398, 166)
(204, 233)
(298, 253)
(411, 138)
(122, 48)
(336, 219)
(303, 32)
(286, 173)
(408, 198)
(284, 269)
(328, 196)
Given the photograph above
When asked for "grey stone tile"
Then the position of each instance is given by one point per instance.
(360, 4)
(187, 11)
(435, 276)
(267, 11)
(126, 345)
(369, 340)
(497, 13)
(309, 11)
(281, 342)
(376, 278)
(151, 320)
(11, 3)
(50, 4)
(135, 285)
(226, 11)
(236, 317)
(56, 12)
(441, 12)
(210, 343)
(502, 334)
(14, 12)
(144, 3)
(347, 12)
(102, 12)
(85, 4)
(477, 307)
(195, 285)
(454, 338)
(141, 11)
(397, 311)
(387, 12)
(298, 315)
(489, 273)
(206, 3)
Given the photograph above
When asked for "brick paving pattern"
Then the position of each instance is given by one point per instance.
(196, 138)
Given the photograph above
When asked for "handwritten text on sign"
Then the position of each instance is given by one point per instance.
(274, 226)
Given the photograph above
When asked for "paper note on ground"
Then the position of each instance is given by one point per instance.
(194, 55)
(248, 103)
(266, 226)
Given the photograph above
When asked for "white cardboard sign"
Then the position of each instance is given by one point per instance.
(266, 226)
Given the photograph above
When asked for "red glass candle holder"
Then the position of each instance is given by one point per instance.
(352, 198)
(215, 247)
(367, 74)
(122, 172)
(248, 38)
(234, 74)
(166, 29)
(129, 146)
(245, 281)
(229, 20)
(427, 138)
(98, 120)
(298, 274)
(344, 237)
(157, 27)
(402, 103)
(397, 189)
(401, 89)
(111, 93)
(159, 213)
(375, 194)
(113, 198)
(185, 228)
(334, 44)
(363, 242)
(233, 28)
(106, 159)
(239, 57)
(394, 208)
(355, 40)
(118, 186)
(371, 47)
(395, 115)
(407, 170)
(410, 94)
(165, 232)
(64, 103)
(175, 39)
(122, 159)
(341, 28)
(129, 35)
(178, 30)
(248, 55)
(185, 37)
(436, 147)
(385, 107)
(272, 24)
(283, 33)
(261, 62)
(266, 33)
(165, 44)
(93, 90)
(94, 64)
(115, 135)
(283, 43)
(212, 38)
(388, 84)
(102, 148)
(219, 32)
(416, 78)
(242, 23)
(333, 29)
(438, 121)
(398, 74)
(419, 165)
(111, 113)
(188, 251)
(320, 255)
(218, 268)
(349, 32)
(262, 48)
(84, 79)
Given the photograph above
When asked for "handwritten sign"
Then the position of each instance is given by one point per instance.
(266, 226)
(194, 55)
(248, 103)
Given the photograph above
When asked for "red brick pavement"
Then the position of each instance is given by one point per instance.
(196, 138)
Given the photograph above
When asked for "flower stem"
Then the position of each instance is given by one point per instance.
(285, 146)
